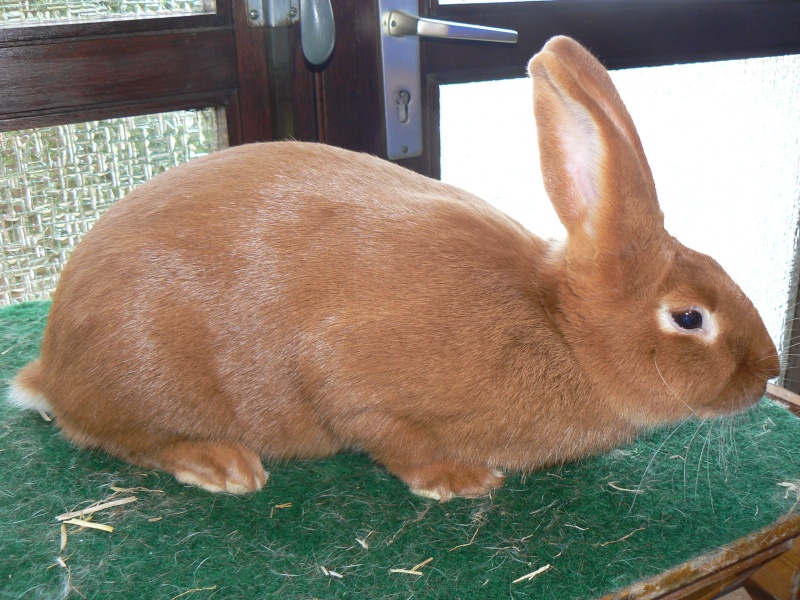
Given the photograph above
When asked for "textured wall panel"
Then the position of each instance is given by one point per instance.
(55, 182)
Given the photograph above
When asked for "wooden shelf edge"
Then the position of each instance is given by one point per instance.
(708, 569)
(784, 396)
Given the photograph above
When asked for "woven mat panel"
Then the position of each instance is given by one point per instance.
(55, 183)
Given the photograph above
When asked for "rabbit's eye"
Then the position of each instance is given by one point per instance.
(688, 319)
(695, 321)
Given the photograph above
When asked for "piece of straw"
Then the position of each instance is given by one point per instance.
(405, 571)
(279, 507)
(472, 539)
(95, 508)
(415, 570)
(622, 539)
(535, 573)
(363, 543)
(90, 525)
(193, 590)
(621, 489)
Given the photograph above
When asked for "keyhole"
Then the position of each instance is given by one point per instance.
(402, 98)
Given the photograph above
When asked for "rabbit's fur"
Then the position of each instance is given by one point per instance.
(289, 300)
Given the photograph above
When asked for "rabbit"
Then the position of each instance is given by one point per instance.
(294, 300)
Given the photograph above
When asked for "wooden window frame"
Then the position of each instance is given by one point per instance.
(68, 73)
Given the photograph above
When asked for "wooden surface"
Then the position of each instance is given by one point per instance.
(709, 575)
(127, 69)
(67, 73)
(253, 91)
(779, 579)
(785, 397)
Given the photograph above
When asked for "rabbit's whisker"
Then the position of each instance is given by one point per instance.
(650, 464)
(763, 358)
(655, 362)
(707, 450)
(689, 447)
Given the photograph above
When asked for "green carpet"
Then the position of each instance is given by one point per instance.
(336, 528)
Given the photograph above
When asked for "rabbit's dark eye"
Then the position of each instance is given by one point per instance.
(688, 319)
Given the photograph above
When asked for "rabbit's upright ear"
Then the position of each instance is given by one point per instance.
(594, 168)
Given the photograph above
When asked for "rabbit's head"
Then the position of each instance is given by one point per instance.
(661, 330)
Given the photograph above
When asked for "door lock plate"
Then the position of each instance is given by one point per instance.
(402, 82)
(402, 88)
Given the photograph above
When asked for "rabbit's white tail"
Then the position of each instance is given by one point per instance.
(25, 389)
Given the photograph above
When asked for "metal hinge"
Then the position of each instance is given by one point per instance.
(273, 13)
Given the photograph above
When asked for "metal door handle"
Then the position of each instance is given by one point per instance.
(401, 24)
(317, 30)
(402, 86)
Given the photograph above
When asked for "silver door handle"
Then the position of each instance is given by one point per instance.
(401, 29)
(401, 24)
(317, 30)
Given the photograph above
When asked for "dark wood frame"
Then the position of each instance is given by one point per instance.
(77, 72)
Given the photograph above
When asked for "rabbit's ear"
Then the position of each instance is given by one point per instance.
(593, 165)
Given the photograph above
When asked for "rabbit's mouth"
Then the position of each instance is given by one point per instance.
(737, 397)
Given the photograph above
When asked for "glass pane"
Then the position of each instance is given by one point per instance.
(16, 13)
(723, 140)
(55, 182)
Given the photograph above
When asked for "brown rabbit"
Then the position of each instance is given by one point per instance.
(289, 300)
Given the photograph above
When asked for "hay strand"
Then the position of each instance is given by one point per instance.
(90, 525)
(622, 539)
(612, 484)
(415, 570)
(193, 590)
(535, 573)
(279, 507)
(405, 571)
(329, 573)
(80, 514)
(470, 542)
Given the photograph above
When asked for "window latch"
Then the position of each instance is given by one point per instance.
(317, 28)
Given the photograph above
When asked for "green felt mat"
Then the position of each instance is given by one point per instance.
(701, 486)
